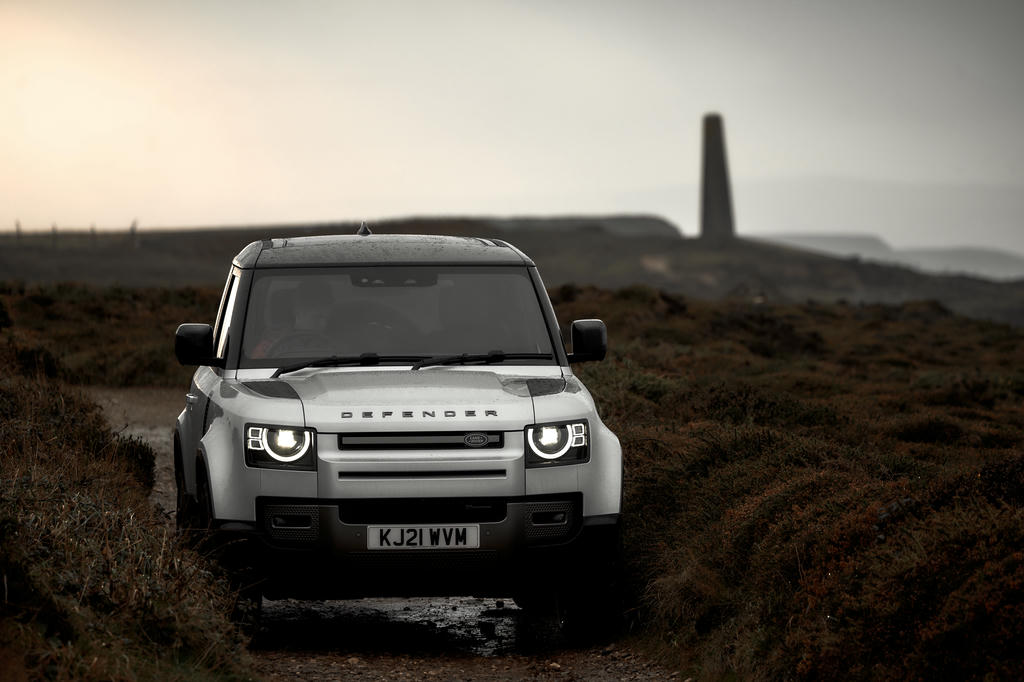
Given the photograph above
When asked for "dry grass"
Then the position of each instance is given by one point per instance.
(813, 491)
(94, 584)
(818, 491)
(102, 335)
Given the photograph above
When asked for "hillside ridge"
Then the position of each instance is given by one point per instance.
(580, 250)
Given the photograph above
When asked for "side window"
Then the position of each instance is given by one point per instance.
(227, 308)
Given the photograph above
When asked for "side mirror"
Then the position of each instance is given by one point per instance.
(193, 344)
(589, 340)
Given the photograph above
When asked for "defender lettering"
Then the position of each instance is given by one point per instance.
(407, 414)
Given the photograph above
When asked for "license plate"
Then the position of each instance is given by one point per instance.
(423, 537)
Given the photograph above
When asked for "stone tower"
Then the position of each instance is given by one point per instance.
(716, 224)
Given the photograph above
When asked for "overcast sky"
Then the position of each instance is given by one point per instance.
(182, 113)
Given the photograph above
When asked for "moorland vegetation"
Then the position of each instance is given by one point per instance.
(95, 585)
(812, 491)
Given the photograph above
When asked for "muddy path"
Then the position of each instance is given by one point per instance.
(460, 638)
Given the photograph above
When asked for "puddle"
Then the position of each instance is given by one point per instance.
(415, 626)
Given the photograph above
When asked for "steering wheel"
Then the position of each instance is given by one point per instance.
(382, 319)
(297, 342)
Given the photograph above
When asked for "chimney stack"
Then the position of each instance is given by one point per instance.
(716, 223)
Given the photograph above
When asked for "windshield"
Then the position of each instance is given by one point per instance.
(309, 313)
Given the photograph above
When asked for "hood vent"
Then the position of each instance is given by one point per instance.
(272, 389)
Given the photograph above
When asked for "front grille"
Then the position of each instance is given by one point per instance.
(425, 440)
(408, 475)
(292, 522)
(437, 511)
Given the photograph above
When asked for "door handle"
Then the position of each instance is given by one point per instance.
(191, 398)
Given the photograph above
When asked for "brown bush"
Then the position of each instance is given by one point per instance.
(103, 335)
(818, 491)
(95, 585)
(812, 491)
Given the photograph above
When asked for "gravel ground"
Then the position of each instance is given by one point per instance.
(455, 638)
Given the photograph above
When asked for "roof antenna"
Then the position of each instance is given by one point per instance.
(363, 230)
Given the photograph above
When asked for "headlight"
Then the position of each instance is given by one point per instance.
(553, 444)
(280, 447)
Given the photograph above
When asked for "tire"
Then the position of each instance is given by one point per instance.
(204, 502)
(194, 516)
(234, 558)
(591, 610)
(535, 602)
(186, 517)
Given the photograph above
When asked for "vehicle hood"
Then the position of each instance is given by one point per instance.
(425, 400)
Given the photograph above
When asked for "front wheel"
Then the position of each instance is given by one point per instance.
(188, 517)
(592, 607)
(232, 555)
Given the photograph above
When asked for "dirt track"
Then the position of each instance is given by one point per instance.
(449, 638)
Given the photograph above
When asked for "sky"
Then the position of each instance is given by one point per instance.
(839, 116)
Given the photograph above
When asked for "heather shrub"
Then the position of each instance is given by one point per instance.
(928, 429)
(817, 491)
(104, 335)
(96, 586)
(812, 491)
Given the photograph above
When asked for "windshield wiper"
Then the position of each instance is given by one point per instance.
(366, 359)
(488, 358)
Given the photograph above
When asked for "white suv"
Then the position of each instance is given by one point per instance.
(396, 415)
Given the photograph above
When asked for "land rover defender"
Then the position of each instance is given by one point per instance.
(395, 415)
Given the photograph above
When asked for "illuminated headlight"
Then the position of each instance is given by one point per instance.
(279, 447)
(553, 444)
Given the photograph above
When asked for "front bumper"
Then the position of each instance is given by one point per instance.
(318, 548)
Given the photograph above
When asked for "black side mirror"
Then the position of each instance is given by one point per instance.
(193, 344)
(589, 340)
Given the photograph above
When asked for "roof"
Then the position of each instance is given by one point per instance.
(378, 249)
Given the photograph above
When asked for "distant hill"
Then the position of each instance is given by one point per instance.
(608, 251)
(175, 257)
(620, 226)
(966, 260)
(986, 262)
